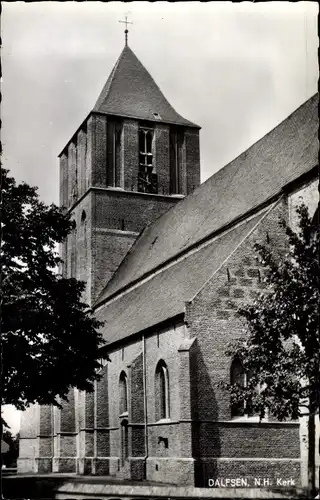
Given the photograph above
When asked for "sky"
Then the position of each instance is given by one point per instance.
(236, 69)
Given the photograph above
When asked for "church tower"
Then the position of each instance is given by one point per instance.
(132, 158)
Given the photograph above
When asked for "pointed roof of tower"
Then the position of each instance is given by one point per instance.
(130, 91)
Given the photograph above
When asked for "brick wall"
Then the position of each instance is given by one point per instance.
(78, 246)
(211, 317)
(192, 152)
(45, 439)
(118, 217)
(81, 158)
(130, 154)
(128, 211)
(108, 250)
(90, 254)
(64, 180)
(102, 424)
(99, 150)
(72, 173)
(161, 345)
(162, 157)
(66, 436)
(137, 419)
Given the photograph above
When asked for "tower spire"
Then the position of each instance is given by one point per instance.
(126, 31)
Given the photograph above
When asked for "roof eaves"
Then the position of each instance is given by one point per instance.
(274, 198)
(93, 111)
(146, 331)
(75, 134)
(185, 250)
(184, 123)
(106, 88)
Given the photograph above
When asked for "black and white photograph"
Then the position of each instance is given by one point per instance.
(160, 250)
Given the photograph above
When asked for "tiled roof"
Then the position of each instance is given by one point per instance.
(130, 91)
(164, 295)
(283, 155)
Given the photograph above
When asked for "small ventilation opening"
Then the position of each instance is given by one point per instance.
(157, 116)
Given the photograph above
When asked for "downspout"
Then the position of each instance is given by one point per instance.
(145, 405)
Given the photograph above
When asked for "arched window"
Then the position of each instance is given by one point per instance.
(239, 376)
(162, 391)
(83, 217)
(74, 253)
(123, 386)
(124, 441)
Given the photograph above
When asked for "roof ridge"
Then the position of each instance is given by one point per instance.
(258, 140)
(131, 91)
(264, 169)
(184, 254)
(107, 85)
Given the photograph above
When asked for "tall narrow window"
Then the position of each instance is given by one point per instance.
(124, 441)
(83, 238)
(73, 251)
(123, 403)
(147, 177)
(176, 143)
(240, 377)
(162, 391)
(113, 152)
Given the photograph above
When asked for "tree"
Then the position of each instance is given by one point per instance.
(281, 349)
(10, 458)
(50, 342)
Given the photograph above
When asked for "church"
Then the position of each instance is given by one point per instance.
(167, 262)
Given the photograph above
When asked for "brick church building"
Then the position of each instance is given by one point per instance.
(167, 263)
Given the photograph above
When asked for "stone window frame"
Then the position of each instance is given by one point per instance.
(240, 415)
(123, 395)
(162, 392)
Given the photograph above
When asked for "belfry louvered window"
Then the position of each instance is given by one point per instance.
(114, 129)
(147, 177)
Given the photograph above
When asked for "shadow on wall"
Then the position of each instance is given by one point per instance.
(204, 407)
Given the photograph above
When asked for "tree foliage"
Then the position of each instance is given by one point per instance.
(281, 350)
(50, 342)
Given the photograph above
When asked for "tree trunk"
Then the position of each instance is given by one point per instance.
(311, 456)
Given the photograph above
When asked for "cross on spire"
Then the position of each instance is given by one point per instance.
(126, 22)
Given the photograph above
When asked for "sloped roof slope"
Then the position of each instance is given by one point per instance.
(283, 155)
(131, 91)
(164, 295)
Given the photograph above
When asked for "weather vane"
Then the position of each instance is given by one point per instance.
(126, 22)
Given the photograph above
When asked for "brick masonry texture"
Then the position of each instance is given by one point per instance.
(162, 157)
(130, 154)
(211, 317)
(192, 147)
(203, 441)
(199, 440)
